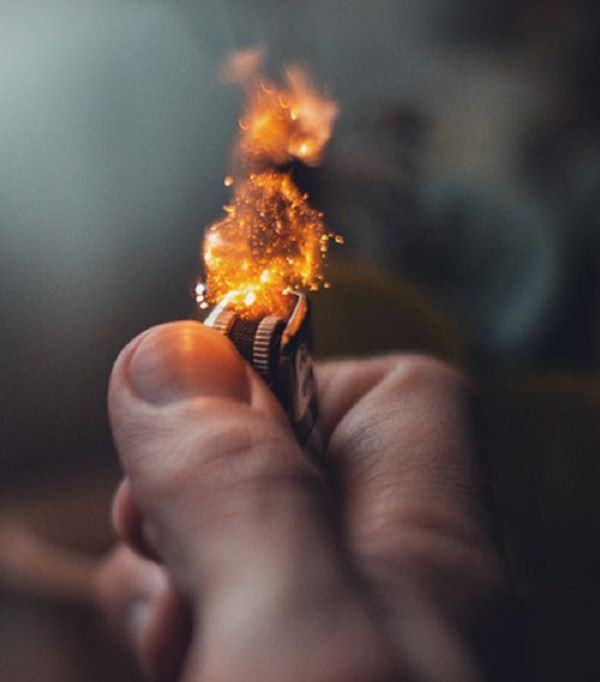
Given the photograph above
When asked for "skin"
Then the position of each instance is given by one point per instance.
(241, 560)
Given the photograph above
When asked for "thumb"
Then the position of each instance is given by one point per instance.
(213, 465)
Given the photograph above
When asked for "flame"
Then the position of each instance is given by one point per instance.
(279, 124)
(270, 240)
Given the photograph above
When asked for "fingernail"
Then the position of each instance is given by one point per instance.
(186, 360)
(138, 619)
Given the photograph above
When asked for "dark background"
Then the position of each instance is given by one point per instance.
(464, 174)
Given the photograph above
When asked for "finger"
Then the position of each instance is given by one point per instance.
(403, 445)
(406, 464)
(235, 510)
(342, 383)
(142, 607)
(129, 525)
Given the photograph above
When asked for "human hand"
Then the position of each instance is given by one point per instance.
(243, 561)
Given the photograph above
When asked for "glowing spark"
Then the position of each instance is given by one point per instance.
(270, 240)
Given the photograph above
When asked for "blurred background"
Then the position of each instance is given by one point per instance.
(464, 174)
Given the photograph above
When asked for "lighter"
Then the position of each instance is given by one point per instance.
(280, 351)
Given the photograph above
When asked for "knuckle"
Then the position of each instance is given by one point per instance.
(420, 546)
(425, 370)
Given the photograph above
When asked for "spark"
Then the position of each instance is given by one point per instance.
(270, 240)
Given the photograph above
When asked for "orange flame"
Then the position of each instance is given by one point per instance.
(270, 240)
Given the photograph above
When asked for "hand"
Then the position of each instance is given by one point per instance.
(242, 561)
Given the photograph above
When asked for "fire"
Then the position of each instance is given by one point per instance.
(270, 240)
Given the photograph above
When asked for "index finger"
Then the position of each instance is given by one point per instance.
(406, 462)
